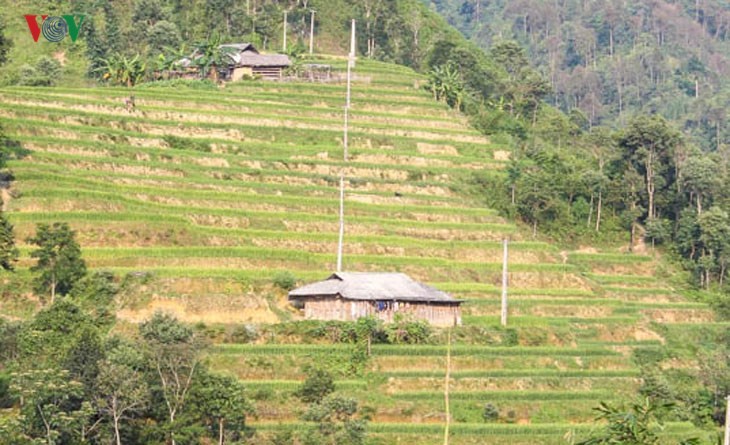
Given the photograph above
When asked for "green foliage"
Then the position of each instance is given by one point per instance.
(183, 143)
(404, 330)
(5, 43)
(53, 411)
(8, 252)
(637, 425)
(165, 329)
(318, 385)
(336, 422)
(59, 264)
(221, 403)
(446, 85)
(193, 84)
(490, 413)
(122, 70)
(46, 72)
(285, 280)
(95, 294)
(162, 35)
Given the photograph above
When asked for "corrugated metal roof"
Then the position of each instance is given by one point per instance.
(373, 286)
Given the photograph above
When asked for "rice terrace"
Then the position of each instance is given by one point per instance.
(202, 205)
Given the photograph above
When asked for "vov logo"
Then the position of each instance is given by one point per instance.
(54, 28)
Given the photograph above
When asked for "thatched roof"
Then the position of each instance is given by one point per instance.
(373, 286)
(249, 58)
(244, 54)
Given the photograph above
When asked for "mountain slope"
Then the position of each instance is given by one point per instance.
(207, 194)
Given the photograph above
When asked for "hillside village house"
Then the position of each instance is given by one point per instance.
(347, 296)
(245, 60)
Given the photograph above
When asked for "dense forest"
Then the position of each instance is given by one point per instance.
(614, 59)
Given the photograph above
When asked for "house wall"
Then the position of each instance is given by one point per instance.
(331, 308)
(269, 72)
(239, 72)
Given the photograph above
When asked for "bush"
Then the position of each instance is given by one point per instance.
(181, 143)
(193, 84)
(318, 384)
(490, 413)
(285, 280)
(404, 330)
(45, 72)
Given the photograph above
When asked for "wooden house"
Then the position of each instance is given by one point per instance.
(348, 296)
(243, 60)
(247, 61)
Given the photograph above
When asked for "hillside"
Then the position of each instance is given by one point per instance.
(613, 60)
(207, 194)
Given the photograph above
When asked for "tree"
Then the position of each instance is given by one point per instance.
(222, 406)
(637, 425)
(5, 44)
(173, 352)
(446, 85)
(123, 70)
(648, 145)
(52, 409)
(46, 72)
(714, 227)
(59, 264)
(8, 251)
(209, 54)
(318, 384)
(702, 179)
(336, 421)
(95, 294)
(121, 390)
(162, 35)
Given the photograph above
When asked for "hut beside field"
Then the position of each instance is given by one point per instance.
(243, 59)
(347, 296)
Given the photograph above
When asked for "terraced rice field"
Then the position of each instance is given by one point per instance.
(214, 192)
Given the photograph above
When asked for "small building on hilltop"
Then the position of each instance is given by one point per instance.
(347, 296)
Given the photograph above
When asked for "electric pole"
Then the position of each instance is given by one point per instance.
(284, 44)
(311, 33)
(504, 282)
(727, 421)
(350, 66)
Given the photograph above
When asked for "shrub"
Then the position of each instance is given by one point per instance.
(404, 330)
(45, 72)
(285, 280)
(490, 413)
(318, 384)
(181, 143)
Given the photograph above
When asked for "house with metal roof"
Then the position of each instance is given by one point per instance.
(347, 296)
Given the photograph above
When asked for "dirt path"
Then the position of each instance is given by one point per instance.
(5, 198)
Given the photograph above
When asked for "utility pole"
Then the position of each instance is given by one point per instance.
(446, 387)
(284, 45)
(727, 422)
(504, 283)
(350, 66)
(311, 33)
